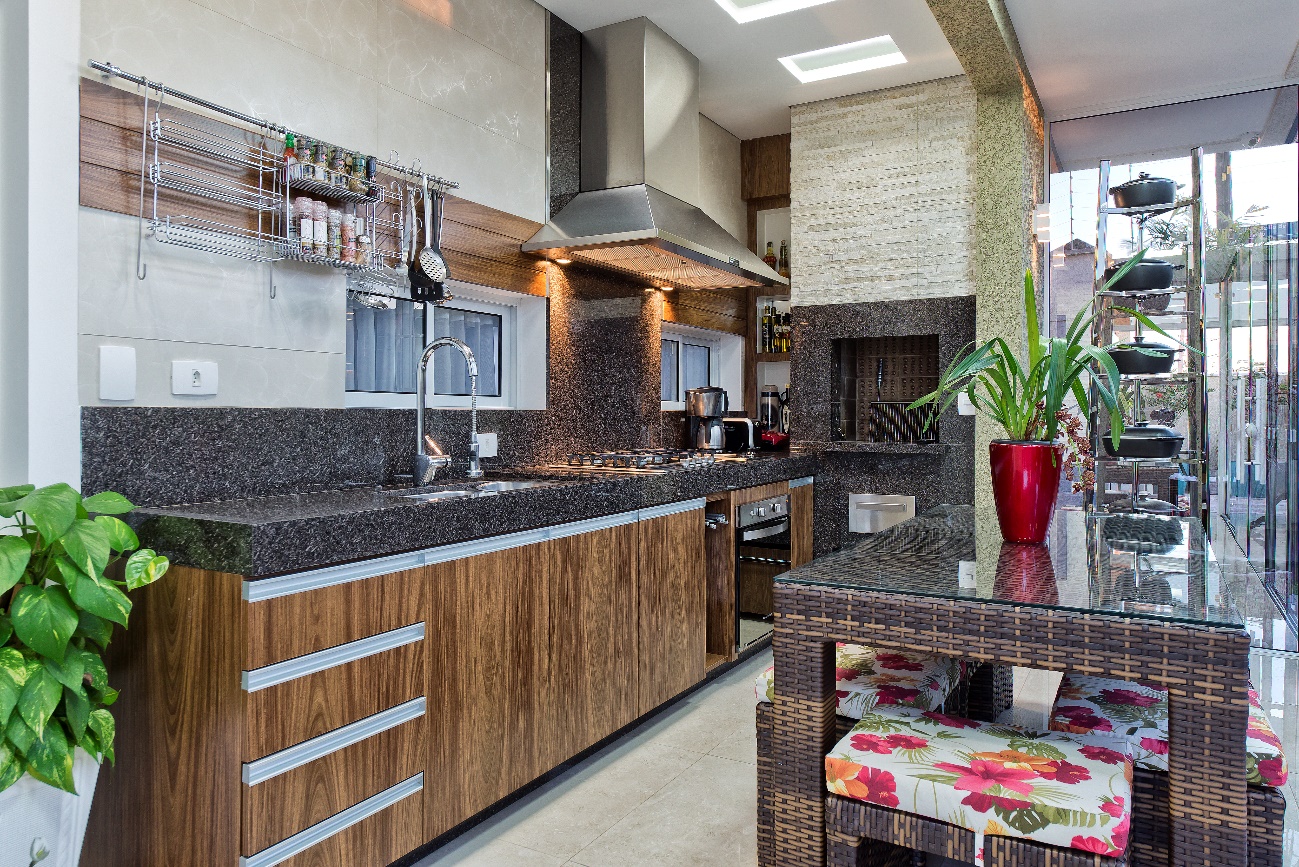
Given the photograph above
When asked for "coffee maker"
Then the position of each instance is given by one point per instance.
(705, 409)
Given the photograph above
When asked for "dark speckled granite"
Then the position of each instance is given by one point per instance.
(271, 535)
(564, 65)
(933, 473)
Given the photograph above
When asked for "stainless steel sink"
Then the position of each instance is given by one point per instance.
(497, 487)
(427, 496)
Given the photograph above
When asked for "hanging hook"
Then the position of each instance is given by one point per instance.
(142, 267)
(272, 270)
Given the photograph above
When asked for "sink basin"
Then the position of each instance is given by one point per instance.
(426, 496)
(497, 487)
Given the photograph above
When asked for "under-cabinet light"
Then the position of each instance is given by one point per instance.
(844, 59)
(745, 11)
(563, 261)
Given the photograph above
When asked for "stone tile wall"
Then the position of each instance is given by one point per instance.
(882, 196)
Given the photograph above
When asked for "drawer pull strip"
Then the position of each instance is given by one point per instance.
(296, 756)
(311, 663)
(323, 830)
(672, 509)
(798, 483)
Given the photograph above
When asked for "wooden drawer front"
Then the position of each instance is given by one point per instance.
(287, 803)
(311, 620)
(372, 833)
(351, 682)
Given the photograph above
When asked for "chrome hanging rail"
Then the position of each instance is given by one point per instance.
(273, 128)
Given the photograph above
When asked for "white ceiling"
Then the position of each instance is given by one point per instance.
(1108, 55)
(742, 85)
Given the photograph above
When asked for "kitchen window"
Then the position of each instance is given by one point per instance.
(505, 330)
(695, 358)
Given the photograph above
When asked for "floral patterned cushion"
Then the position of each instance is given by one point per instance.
(867, 677)
(1139, 712)
(1064, 790)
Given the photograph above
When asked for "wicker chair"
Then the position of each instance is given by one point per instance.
(863, 835)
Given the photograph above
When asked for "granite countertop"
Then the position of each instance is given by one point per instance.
(268, 536)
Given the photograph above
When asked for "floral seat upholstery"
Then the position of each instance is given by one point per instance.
(1139, 712)
(866, 677)
(1072, 791)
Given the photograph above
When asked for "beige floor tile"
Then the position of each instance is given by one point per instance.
(488, 851)
(706, 817)
(574, 810)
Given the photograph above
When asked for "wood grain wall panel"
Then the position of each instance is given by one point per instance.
(374, 842)
(801, 502)
(293, 801)
(759, 492)
(593, 638)
(300, 709)
(487, 679)
(764, 167)
(673, 614)
(481, 244)
(301, 623)
(181, 708)
(720, 311)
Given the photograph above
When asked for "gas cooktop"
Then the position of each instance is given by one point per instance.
(644, 461)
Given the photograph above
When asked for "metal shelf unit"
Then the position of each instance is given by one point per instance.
(1191, 466)
(250, 174)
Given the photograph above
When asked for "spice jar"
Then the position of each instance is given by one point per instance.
(364, 250)
(320, 215)
(335, 221)
(304, 222)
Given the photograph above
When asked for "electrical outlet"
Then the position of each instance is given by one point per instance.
(487, 445)
(193, 377)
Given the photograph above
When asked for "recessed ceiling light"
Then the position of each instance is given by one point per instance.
(844, 59)
(745, 11)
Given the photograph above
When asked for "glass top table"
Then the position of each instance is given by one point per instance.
(1128, 565)
(1130, 597)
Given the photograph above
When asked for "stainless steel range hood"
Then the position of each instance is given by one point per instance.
(640, 171)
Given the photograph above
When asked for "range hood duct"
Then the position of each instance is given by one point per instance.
(640, 171)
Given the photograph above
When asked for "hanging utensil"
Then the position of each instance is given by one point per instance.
(420, 284)
(431, 260)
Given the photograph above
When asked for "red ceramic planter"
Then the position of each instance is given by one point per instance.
(1025, 482)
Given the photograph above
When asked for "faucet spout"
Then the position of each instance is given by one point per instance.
(427, 464)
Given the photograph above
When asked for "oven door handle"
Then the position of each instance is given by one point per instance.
(762, 531)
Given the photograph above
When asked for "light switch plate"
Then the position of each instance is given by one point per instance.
(116, 373)
(193, 377)
(964, 406)
(487, 445)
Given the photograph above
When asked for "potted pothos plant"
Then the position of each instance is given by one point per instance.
(66, 565)
(1027, 398)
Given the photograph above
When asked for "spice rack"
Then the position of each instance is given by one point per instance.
(1189, 469)
(247, 177)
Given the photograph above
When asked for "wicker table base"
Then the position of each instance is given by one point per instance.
(1204, 668)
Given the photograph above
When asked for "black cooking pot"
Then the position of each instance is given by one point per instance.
(1149, 534)
(1145, 440)
(1144, 191)
(1142, 277)
(1131, 358)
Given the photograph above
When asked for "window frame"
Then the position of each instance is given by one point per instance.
(689, 337)
(524, 340)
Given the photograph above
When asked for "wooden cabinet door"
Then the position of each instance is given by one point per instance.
(488, 681)
(673, 615)
(593, 637)
(800, 524)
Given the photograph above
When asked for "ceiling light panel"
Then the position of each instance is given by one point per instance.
(745, 11)
(844, 59)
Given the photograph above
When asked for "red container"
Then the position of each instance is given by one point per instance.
(1025, 482)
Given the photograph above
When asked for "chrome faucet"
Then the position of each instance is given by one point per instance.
(429, 458)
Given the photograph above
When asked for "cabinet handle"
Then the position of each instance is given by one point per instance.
(296, 756)
(301, 666)
(323, 830)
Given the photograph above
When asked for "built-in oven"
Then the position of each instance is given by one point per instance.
(762, 551)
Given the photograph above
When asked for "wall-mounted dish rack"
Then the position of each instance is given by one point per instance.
(249, 178)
